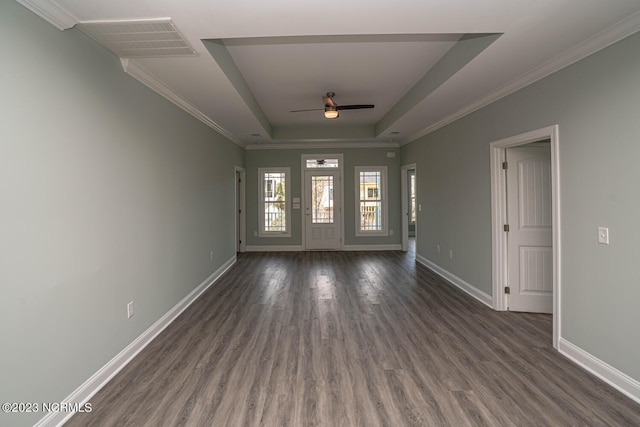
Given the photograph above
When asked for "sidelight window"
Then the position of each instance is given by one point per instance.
(371, 197)
(274, 202)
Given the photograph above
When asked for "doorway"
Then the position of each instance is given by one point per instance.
(408, 196)
(240, 209)
(322, 202)
(541, 254)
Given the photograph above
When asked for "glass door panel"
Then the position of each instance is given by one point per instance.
(322, 199)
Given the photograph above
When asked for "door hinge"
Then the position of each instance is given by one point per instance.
(507, 290)
(506, 227)
(505, 165)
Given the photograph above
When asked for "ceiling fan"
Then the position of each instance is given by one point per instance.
(331, 109)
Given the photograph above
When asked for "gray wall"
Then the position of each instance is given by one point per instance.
(352, 157)
(596, 103)
(108, 193)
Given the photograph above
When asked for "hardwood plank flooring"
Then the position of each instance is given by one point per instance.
(351, 339)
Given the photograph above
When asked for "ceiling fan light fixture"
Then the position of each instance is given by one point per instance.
(330, 112)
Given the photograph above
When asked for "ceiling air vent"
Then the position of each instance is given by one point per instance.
(145, 38)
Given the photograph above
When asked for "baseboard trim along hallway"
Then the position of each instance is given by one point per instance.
(607, 373)
(98, 380)
(357, 338)
(456, 281)
(618, 380)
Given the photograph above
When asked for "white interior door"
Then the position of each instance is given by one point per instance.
(529, 241)
(323, 213)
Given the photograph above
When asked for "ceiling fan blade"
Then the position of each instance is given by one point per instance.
(354, 107)
(330, 105)
(309, 109)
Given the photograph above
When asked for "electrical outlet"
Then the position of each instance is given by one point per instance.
(211, 255)
(130, 310)
(255, 234)
(450, 253)
(603, 235)
(390, 232)
(438, 248)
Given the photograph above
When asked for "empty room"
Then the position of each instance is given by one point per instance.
(319, 213)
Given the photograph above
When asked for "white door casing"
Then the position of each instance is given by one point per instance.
(499, 219)
(529, 240)
(323, 209)
(240, 209)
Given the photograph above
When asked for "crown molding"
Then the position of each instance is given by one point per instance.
(51, 12)
(146, 78)
(320, 145)
(624, 28)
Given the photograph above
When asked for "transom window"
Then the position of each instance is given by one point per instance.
(322, 163)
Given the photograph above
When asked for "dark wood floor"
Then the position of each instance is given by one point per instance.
(351, 339)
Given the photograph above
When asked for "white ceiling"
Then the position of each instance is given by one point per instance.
(423, 63)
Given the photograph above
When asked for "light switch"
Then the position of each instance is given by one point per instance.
(603, 235)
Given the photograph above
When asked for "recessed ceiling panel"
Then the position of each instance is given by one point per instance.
(291, 73)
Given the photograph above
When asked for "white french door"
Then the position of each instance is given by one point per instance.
(322, 209)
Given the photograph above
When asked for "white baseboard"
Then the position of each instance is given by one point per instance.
(456, 281)
(273, 248)
(618, 380)
(98, 380)
(607, 373)
(372, 247)
(298, 248)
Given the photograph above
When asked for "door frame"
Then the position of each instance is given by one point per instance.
(499, 217)
(303, 170)
(240, 205)
(404, 172)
